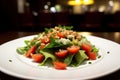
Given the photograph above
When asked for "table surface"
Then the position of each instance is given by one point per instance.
(113, 36)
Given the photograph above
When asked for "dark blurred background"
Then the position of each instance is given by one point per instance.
(84, 15)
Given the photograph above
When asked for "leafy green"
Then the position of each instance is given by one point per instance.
(21, 50)
(84, 40)
(35, 43)
(27, 42)
(48, 55)
(94, 49)
(39, 35)
(80, 57)
(77, 59)
(55, 44)
(66, 27)
(47, 30)
(68, 59)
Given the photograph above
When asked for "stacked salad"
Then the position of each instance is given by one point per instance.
(60, 47)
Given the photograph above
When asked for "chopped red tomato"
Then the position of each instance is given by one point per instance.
(37, 57)
(45, 40)
(42, 45)
(61, 35)
(73, 49)
(61, 54)
(30, 51)
(59, 65)
(92, 55)
(86, 47)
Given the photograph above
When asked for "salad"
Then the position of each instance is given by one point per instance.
(59, 47)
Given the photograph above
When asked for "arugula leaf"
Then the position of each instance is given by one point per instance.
(36, 43)
(27, 42)
(22, 50)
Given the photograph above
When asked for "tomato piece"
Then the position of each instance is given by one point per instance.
(61, 54)
(45, 40)
(30, 51)
(42, 45)
(59, 65)
(73, 49)
(61, 35)
(37, 57)
(86, 47)
(92, 55)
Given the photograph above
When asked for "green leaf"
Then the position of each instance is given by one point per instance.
(39, 35)
(47, 30)
(84, 40)
(65, 27)
(80, 57)
(21, 50)
(35, 43)
(27, 42)
(48, 55)
(53, 44)
(94, 49)
(68, 59)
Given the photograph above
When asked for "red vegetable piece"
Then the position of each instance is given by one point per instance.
(31, 51)
(45, 40)
(59, 65)
(37, 57)
(73, 49)
(61, 35)
(92, 55)
(86, 47)
(61, 54)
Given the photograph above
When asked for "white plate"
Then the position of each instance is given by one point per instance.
(16, 65)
